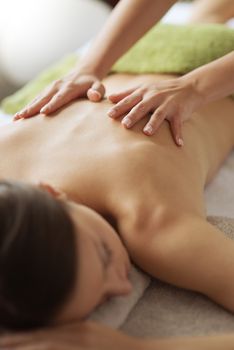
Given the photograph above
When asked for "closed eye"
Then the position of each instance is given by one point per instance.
(106, 256)
(104, 253)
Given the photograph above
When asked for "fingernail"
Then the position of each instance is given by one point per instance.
(43, 110)
(18, 116)
(148, 129)
(180, 142)
(112, 113)
(127, 122)
(95, 92)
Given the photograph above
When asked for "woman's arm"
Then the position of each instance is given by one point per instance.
(218, 342)
(127, 23)
(90, 336)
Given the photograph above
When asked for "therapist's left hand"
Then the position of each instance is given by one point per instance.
(174, 100)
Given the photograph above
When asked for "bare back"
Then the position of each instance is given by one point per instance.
(114, 170)
(149, 189)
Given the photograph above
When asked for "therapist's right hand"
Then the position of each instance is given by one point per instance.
(62, 91)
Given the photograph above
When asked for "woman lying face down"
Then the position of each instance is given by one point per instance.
(59, 260)
(52, 252)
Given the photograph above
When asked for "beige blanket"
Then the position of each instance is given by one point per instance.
(219, 195)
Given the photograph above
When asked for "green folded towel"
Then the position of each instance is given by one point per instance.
(164, 49)
(177, 49)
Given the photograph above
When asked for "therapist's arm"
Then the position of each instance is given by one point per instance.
(175, 99)
(127, 23)
(214, 80)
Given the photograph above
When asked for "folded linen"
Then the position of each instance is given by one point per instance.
(115, 311)
(177, 49)
(164, 49)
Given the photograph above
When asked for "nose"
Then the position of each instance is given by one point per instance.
(120, 285)
(122, 288)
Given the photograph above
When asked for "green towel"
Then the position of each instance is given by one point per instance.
(164, 49)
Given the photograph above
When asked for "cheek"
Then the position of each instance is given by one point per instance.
(90, 290)
(89, 286)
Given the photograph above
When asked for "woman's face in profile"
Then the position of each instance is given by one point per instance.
(103, 265)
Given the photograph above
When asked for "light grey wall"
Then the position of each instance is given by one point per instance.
(6, 88)
(36, 33)
(32, 38)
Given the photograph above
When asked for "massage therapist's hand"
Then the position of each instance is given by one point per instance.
(75, 85)
(77, 336)
(174, 100)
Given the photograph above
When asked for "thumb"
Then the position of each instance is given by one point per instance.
(96, 92)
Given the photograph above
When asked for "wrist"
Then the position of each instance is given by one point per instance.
(193, 84)
(90, 69)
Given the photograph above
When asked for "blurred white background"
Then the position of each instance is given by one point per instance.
(35, 33)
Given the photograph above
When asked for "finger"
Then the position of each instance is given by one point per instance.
(13, 341)
(176, 130)
(28, 347)
(138, 112)
(115, 98)
(63, 97)
(96, 92)
(125, 105)
(46, 346)
(35, 106)
(155, 121)
(48, 339)
(33, 347)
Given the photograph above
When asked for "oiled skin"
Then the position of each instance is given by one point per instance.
(147, 187)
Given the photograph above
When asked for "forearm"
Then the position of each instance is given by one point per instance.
(127, 23)
(225, 342)
(218, 11)
(214, 80)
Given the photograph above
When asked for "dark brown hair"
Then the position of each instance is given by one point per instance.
(112, 3)
(37, 256)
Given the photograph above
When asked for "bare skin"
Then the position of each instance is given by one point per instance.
(91, 336)
(214, 11)
(149, 190)
(167, 198)
(136, 17)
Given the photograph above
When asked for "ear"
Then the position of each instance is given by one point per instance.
(54, 191)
